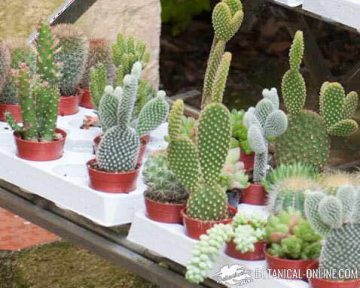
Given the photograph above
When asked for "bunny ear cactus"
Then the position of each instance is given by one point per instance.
(73, 53)
(337, 218)
(5, 62)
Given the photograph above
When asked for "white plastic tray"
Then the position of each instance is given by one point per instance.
(65, 181)
(170, 241)
(291, 3)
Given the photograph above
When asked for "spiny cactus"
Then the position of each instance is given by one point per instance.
(145, 93)
(337, 218)
(331, 180)
(245, 231)
(4, 64)
(97, 83)
(21, 52)
(264, 122)
(226, 19)
(162, 183)
(72, 55)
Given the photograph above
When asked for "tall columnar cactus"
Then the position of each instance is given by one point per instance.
(97, 83)
(264, 122)
(21, 52)
(72, 55)
(307, 138)
(337, 219)
(4, 64)
(226, 19)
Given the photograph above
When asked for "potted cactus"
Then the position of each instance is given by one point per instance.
(165, 196)
(72, 55)
(244, 239)
(292, 245)
(265, 122)
(20, 52)
(331, 180)
(336, 218)
(307, 138)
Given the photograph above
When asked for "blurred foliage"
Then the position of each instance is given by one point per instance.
(179, 13)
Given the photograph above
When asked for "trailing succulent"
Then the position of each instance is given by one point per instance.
(5, 62)
(239, 131)
(245, 231)
(73, 52)
(290, 236)
(163, 185)
(307, 138)
(337, 218)
(265, 122)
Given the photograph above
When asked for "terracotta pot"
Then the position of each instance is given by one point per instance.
(286, 268)
(68, 105)
(146, 138)
(258, 254)
(327, 283)
(255, 194)
(248, 160)
(195, 228)
(14, 110)
(40, 151)
(164, 212)
(112, 182)
(86, 99)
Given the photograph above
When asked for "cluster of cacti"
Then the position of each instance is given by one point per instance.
(265, 122)
(126, 51)
(163, 185)
(331, 180)
(20, 52)
(337, 219)
(73, 52)
(307, 138)
(5, 62)
(245, 231)
(239, 131)
(290, 236)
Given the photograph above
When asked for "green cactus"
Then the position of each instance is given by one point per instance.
(145, 93)
(331, 180)
(239, 131)
(97, 83)
(264, 122)
(5, 62)
(337, 219)
(72, 55)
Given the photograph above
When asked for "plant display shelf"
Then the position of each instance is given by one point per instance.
(65, 181)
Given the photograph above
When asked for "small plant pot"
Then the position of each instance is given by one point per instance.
(257, 254)
(316, 282)
(248, 160)
(164, 212)
(13, 109)
(68, 105)
(194, 228)
(288, 269)
(112, 182)
(40, 151)
(86, 99)
(255, 194)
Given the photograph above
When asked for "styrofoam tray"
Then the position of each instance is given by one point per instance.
(170, 241)
(290, 3)
(342, 11)
(65, 181)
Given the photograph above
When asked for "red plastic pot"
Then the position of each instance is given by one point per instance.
(195, 228)
(86, 99)
(112, 182)
(248, 160)
(326, 283)
(288, 269)
(68, 105)
(258, 254)
(255, 194)
(40, 151)
(14, 110)
(164, 212)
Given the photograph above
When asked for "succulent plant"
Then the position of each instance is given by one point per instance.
(5, 62)
(72, 55)
(290, 236)
(145, 93)
(264, 122)
(330, 180)
(97, 83)
(239, 131)
(336, 218)
(163, 185)
(245, 231)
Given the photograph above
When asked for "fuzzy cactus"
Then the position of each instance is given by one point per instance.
(226, 19)
(5, 62)
(332, 179)
(72, 55)
(264, 122)
(337, 218)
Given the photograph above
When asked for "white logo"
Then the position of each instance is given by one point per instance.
(233, 276)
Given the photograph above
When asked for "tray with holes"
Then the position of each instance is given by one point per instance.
(65, 181)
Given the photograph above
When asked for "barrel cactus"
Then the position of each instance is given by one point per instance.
(5, 62)
(337, 218)
(264, 122)
(73, 53)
